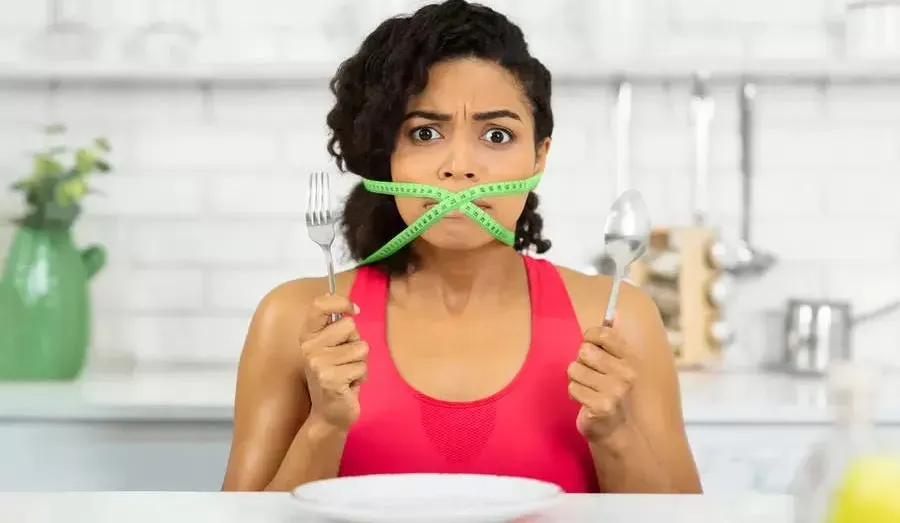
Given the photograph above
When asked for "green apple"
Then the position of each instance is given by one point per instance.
(869, 491)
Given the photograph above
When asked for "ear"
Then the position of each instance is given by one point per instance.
(540, 157)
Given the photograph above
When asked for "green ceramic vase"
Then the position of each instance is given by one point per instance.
(45, 314)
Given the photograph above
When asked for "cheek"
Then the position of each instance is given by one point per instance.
(410, 208)
(507, 210)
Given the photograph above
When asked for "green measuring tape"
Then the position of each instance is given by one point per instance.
(447, 203)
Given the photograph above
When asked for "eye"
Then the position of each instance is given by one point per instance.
(425, 134)
(498, 136)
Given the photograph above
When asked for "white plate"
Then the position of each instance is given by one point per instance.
(429, 498)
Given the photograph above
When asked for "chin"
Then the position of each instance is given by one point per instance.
(457, 237)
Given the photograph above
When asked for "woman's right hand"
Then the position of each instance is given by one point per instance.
(334, 361)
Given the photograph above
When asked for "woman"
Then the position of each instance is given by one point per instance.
(458, 353)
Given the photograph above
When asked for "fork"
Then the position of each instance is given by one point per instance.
(320, 220)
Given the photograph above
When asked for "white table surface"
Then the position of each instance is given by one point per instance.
(708, 398)
(153, 507)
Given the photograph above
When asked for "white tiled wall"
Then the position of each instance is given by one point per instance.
(204, 212)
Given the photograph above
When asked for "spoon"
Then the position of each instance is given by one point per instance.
(625, 236)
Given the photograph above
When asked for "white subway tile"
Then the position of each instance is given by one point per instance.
(185, 339)
(152, 106)
(242, 290)
(777, 105)
(26, 106)
(304, 107)
(106, 232)
(878, 343)
(789, 195)
(861, 195)
(306, 149)
(868, 286)
(791, 42)
(832, 239)
(794, 148)
(12, 203)
(273, 196)
(264, 14)
(207, 242)
(721, 15)
(857, 149)
(206, 149)
(572, 148)
(863, 103)
(259, 195)
(149, 290)
(17, 14)
(164, 195)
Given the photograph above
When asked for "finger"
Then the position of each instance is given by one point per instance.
(352, 352)
(586, 376)
(603, 362)
(597, 404)
(350, 375)
(322, 307)
(608, 339)
(335, 334)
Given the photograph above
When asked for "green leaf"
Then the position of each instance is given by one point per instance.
(102, 144)
(102, 166)
(84, 160)
(22, 185)
(46, 165)
(55, 129)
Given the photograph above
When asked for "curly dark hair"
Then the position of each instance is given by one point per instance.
(372, 89)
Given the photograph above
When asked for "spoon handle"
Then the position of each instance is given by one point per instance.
(613, 299)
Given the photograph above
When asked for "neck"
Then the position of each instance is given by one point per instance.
(457, 278)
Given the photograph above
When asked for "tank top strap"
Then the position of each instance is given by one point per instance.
(549, 296)
(369, 293)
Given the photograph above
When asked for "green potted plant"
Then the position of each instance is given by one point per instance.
(45, 312)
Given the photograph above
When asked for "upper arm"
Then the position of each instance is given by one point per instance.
(656, 395)
(271, 400)
(655, 399)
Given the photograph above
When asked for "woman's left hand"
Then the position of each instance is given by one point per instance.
(600, 379)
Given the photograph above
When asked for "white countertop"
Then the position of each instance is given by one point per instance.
(153, 507)
(708, 398)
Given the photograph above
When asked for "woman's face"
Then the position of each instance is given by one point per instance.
(471, 125)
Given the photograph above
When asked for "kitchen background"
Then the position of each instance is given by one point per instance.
(215, 113)
(203, 213)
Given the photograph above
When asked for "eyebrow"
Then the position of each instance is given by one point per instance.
(442, 117)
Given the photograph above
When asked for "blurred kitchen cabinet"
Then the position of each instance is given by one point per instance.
(113, 455)
(192, 455)
(733, 458)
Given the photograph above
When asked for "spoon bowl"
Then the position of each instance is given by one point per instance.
(625, 236)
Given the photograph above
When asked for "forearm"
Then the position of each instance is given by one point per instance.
(625, 463)
(314, 454)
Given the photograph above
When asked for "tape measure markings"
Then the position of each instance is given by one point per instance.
(447, 202)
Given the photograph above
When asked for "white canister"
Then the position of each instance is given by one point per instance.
(872, 28)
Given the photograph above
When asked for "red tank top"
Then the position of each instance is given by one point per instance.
(527, 429)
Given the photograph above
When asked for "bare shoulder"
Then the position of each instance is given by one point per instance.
(636, 313)
(277, 317)
(295, 295)
(590, 293)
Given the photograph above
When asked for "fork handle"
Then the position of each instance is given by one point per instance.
(332, 284)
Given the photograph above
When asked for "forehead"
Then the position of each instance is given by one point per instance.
(471, 84)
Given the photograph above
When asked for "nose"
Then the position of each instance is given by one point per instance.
(461, 162)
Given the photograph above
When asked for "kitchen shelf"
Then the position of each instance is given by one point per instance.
(304, 73)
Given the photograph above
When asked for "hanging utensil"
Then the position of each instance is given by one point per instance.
(622, 138)
(625, 236)
(703, 109)
(741, 258)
